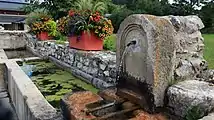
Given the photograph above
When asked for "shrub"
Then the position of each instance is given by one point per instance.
(110, 43)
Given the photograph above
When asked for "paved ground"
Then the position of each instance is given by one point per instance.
(7, 111)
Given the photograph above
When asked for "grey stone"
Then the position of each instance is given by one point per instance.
(71, 57)
(102, 66)
(86, 62)
(106, 73)
(208, 75)
(184, 70)
(81, 59)
(113, 73)
(85, 68)
(87, 77)
(190, 93)
(79, 65)
(112, 66)
(208, 117)
(94, 71)
(100, 84)
(94, 63)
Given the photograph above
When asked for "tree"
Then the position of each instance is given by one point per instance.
(90, 5)
(207, 16)
(56, 8)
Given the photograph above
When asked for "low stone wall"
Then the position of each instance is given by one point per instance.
(29, 103)
(96, 67)
(12, 40)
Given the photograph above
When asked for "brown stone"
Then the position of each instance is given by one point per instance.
(77, 104)
(142, 115)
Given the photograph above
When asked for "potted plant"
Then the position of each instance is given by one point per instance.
(41, 25)
(86, 29)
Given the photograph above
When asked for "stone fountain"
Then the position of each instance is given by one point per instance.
(153, 53)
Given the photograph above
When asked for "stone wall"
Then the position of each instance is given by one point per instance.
(12, 40)
(189, 62)
(97, 67)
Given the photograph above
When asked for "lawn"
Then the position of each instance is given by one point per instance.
(209, 49)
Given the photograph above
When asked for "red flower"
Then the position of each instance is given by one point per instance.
(71, 13)
(97, 19)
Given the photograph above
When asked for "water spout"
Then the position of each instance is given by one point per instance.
(126, 50)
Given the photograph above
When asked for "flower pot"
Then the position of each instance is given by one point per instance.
(86, 42)
(43, 36)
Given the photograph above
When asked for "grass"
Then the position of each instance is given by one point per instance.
(110, 43)
(209, 49)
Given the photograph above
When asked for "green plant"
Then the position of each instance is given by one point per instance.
(61, 23)
(87, 20)
(90, 5)
(51, 27)
(194, 113)
(110, 43)
(118, 16)
(40, 22)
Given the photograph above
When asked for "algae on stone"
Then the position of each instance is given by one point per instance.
(54, 82)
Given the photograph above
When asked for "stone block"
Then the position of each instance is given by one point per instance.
(79, 65)
(184, 70)
(184, 95)
(106, 73)
(102, 66)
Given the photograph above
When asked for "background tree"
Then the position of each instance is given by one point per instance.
(207, 16)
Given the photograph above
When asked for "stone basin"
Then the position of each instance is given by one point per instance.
(54, 82)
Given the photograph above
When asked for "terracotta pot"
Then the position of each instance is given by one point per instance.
(86, 42)
(43, 36)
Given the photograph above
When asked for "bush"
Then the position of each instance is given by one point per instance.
(110, 43)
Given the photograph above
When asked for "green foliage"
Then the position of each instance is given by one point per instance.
(51, 28)
(194, 113)
(56, 8)
(36, 16)
(60, 37)
(110, 43)
(91, 5)
(118, 16)
(207, 16)
(208, 51)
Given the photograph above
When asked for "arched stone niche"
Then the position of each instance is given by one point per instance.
(146, 67)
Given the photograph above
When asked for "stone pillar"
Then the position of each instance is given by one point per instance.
(147, 67)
